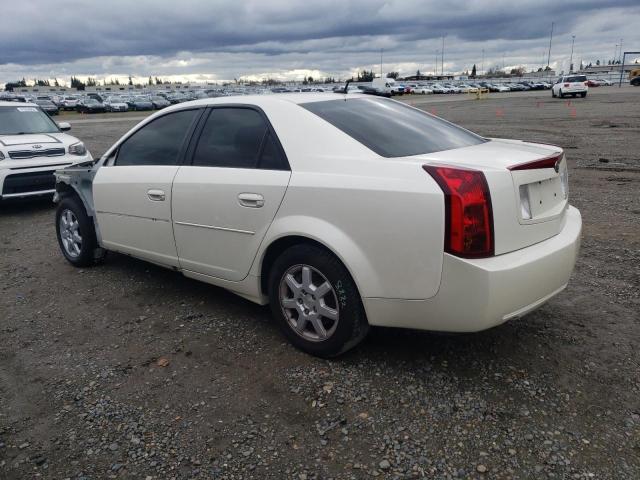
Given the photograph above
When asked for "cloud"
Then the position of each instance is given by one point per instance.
(227, 39)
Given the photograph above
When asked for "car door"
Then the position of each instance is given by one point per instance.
(226, 198)
(132, 192)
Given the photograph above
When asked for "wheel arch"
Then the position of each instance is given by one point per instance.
(341, 247)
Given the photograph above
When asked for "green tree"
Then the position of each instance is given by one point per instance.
(150, 80)
(76, 83)
(130, 80)
(91, 82)
(393, 75)
(9, 86)
(473, 71)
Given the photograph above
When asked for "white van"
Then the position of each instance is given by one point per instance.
(385, 85)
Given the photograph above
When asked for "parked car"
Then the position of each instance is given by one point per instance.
(115, 104)
(140, 103)
(570, 85)
(604, 82)
(422, 90)
(592, 82)
(90, 105)
(69, 103)
(159, 102)
(32, 146)
(464, 88)
(359, 211)
(635, 81)
(47, 105)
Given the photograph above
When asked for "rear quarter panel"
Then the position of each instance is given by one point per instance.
(387, 230)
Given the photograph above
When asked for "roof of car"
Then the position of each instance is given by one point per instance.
(261, 100)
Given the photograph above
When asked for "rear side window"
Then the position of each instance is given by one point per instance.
(390, 128)
(157, 143)
(577, 78)
(238, 138)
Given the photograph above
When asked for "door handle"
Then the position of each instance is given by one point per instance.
(156, 195)
(253, 200)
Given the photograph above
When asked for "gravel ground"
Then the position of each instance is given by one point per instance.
(132, 371)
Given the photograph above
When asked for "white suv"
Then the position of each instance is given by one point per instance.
(570, 85)
(32, 147)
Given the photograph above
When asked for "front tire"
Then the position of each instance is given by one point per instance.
(315, 302)
(76, 234)
(561, 94)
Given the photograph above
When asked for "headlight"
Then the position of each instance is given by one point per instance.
(1, 156)
(78, 149)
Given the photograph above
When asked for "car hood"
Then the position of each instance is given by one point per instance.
(47, 140)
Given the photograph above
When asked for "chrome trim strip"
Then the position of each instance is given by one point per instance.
(27, 194)
(211, 227)
(102, 212)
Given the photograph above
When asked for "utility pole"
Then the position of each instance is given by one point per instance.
(573, 39)
(435, 71)
(620, 57)
(550, 38)
(381, 50)
(482, 64)
(503, 61)
(442, 59)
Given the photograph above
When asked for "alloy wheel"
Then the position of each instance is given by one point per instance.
(309, 303)
(70, 233)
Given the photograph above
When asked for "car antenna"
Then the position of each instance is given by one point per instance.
(346, 88)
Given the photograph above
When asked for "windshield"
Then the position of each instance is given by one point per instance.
(24, 120)
(577, 78)
(392, 129)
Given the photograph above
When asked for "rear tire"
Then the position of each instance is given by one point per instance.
(583, 95)
(315, 302)
(76, 234)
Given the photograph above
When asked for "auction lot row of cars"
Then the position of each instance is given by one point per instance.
(156, 100)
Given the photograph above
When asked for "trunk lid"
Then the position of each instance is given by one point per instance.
(527, 183)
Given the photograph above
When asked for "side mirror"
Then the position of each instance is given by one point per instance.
(64, 126)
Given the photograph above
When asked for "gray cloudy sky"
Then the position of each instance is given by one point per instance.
(288, 39)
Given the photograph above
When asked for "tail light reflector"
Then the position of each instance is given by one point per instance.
(468, 213)
(567, 84)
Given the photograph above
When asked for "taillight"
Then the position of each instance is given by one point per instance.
(567, 84)
(547, 162)
(468, 214)
(586, 83)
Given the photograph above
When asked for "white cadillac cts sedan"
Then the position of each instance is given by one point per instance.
(340, 212)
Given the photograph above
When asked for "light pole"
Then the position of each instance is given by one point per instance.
(482, 64)
(381, 50)
(435, 71)
(573, 39)
(550, 38)
(620, 57)
(442, 59)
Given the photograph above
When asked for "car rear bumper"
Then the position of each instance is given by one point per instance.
(478, 294)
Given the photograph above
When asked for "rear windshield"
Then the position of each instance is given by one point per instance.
(392, 129)
(576, 78)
